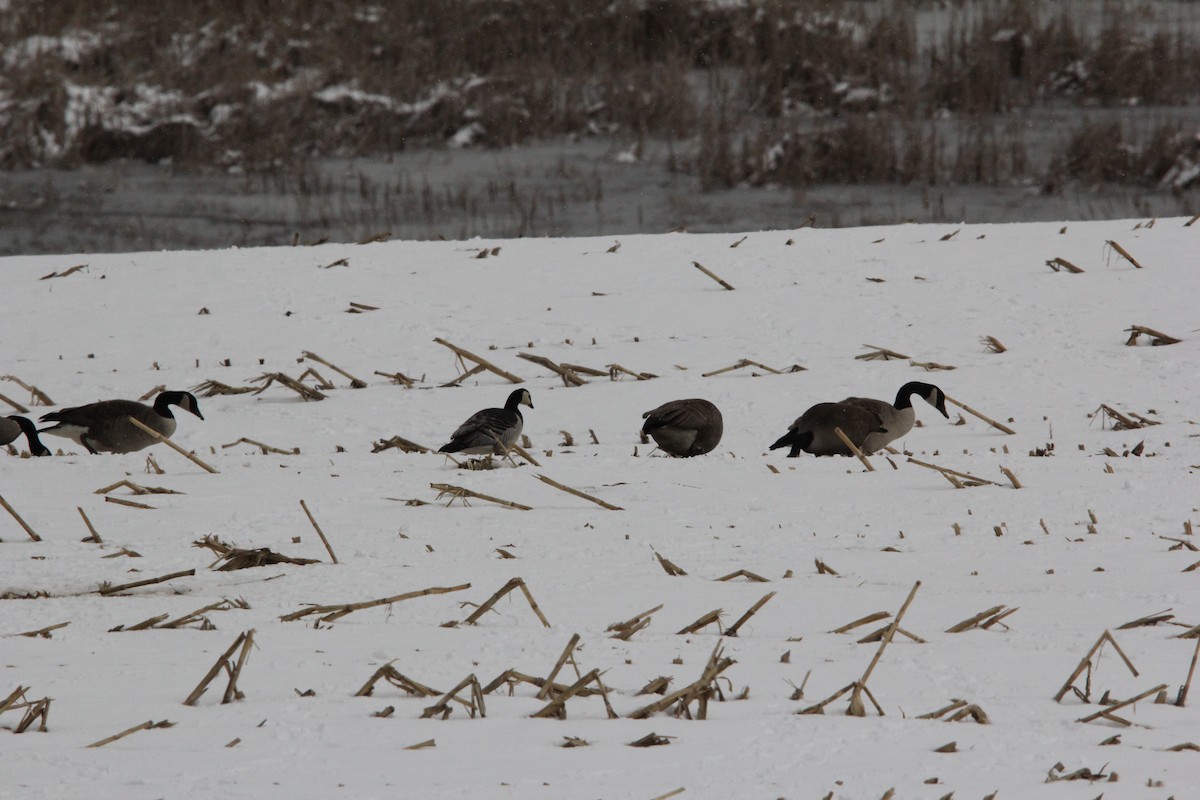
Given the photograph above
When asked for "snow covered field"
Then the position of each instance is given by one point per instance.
(1081, 549)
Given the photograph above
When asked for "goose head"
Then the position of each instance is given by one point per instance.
(185, 400)
(31, 434)
(930, 394)
(519, 397)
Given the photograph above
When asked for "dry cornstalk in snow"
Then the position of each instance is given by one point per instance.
(135, 488)
(1061, 263)
(240, 558)
(1126, 422)
(732, 630)
(64, 273)
(44, 633)
(1157, 338)
(984, 619)
(145, 726)
(1107, 711)
(930, 366)
(702, 622)
(669, 566)
(997, 425)
(474, 706)
(710, 274)
(197, 616)
(993, 344)
(577, 493)
(390, 674)
(1123, 253)
(20, 409)
(398, 377)
(569, 378)
(13, 513)
(511, 677)
(461, 493)
(268, 378)
(1149, 619)
(400, 443)
(355, 383)
(849, 626)
(339, 610)
(880, 354)
(568, 654)
(557, 707)
(746, 362)
(245, 641)
(475, 370)
(265, 448)
(128, 503)
(212, 388)
(1086, 663)
(107, 589)
(482, 362)
(320, 532)
(743, 573)
(959, 710)
(598, 373)
(189, 456)
(616, 370)
(970, 479)
(38, 397)
(624, 630)
(699, 691)
(514, 583)
(859, 687)
(853, 448)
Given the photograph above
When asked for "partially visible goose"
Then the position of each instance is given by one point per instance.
(812, 432)
(104, 427)
(12, 427)
(898, 417)
(685, 427)
(479, 433)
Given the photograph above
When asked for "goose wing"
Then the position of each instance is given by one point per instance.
(682, 414)
(94, 413)
(879, 407)
(493, 420)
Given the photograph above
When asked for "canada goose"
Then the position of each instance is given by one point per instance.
(812, 432)
(685, 427)
(104, 427)
(898, 417)
(484, 430)
(12, 427)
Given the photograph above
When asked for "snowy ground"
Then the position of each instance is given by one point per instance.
(1078, 551)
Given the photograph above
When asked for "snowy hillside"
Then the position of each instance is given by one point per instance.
(1099, 535)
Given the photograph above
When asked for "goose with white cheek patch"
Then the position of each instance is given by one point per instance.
(485, 430)
(104, 427)
(898, 417)
(685, 428)
(12, 427)
(813, 431)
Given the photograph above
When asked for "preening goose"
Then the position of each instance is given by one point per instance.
(479, 433)
(812, 432)
(104, 427)
(685, 427)
(898, 417)
(12, 427)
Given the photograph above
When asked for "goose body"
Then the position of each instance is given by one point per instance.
(898, 417)
(104, 427)
(812, 432)
(685, 427)
(479, 434)
(12, 427)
